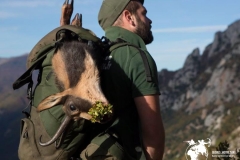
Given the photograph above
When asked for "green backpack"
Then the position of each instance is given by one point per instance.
(46, 123)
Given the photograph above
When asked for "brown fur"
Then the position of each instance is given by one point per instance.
(60, 69)
(89, 77)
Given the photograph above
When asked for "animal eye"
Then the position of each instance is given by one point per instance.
(72, 107)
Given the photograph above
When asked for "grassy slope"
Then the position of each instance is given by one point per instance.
(178, 129)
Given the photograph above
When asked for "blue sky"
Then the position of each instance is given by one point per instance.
(179, 26)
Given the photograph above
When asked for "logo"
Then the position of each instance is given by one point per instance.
(197, 150)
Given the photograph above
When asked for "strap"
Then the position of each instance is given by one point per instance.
(27, 76)
(121, 43)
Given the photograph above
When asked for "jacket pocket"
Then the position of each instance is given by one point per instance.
(27, 149)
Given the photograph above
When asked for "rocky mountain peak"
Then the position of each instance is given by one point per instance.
(225, 40)
(206, 78)
(233, 32)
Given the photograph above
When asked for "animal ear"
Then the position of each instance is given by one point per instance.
(52, 101)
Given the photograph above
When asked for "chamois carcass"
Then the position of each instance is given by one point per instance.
(77, 76)
(76, 70)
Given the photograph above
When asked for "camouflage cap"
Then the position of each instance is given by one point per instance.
(110, 11)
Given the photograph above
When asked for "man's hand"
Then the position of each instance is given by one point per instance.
(153, 134)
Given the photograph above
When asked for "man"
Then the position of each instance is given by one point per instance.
(137, 126)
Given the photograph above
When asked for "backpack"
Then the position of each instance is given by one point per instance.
(32, 128)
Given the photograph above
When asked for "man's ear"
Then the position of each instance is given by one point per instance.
(52, 101)
(129, 18)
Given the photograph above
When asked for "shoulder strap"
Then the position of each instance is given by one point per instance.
(121, 43)
(26, 77)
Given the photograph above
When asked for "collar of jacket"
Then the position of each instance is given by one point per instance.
(112, 33)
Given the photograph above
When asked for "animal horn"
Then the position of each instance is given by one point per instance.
(67, 10)
(59, 132)
(66, 2)
(77, 20)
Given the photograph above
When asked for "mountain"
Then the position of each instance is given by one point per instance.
(202, 99)
(3, 60)
(11, 69)
(11, 105)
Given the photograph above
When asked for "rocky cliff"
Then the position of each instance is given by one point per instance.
(206, 78)
(205, 92)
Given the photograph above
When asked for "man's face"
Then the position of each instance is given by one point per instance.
(143, 28)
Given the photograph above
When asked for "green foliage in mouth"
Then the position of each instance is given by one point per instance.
(100, 112)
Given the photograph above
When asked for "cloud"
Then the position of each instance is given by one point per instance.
(87, 2)
(179, 46)
(172, 54)
(7, 29)
(41, 3)
(4, 15)
(197, 29)
(28, 3)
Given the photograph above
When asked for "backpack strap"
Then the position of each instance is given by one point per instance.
(26, 77)
(120, 43)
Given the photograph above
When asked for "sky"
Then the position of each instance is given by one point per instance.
(179, 26)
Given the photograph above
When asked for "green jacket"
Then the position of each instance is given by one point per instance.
(124, 79)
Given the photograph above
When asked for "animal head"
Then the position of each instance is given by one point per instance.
(77, 76)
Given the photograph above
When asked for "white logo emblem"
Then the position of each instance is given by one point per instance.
(197, 150)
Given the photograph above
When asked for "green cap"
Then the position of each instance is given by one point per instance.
(110, 11)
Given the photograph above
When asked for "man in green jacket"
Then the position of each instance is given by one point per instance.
(137, 131)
